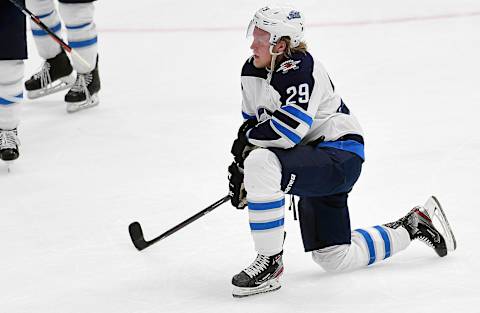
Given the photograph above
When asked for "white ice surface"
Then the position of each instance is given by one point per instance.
(157, 148)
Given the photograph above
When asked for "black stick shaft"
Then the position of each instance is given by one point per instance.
(190, 220)
(43, 26)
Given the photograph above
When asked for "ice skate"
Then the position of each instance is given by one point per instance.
(420, 225)
(9, 146)
(263, 275)
(84, 93)
(56, 75)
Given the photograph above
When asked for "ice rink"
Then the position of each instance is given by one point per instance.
(157, 148)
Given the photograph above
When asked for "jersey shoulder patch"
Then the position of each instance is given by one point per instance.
(299, 64)
(289, 65)
(250, 70)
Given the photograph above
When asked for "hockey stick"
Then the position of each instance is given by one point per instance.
(136, 233)
(65, 46)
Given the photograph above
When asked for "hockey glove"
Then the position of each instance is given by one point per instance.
(236, 187)
(241, 147)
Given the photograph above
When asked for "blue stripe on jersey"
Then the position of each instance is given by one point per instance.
(386, 240)
(371, 247)
(41, 32)
(280, 116)
(83, 43)
(77, 26)
(45, 15)
(248, 116)
(347, 145)
(4, 101)
(267, 225)
(288, 133)
(296, 112)
(258, 206)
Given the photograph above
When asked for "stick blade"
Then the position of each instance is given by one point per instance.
(136, 234)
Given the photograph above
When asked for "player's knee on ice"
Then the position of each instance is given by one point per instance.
(345, 257)
(359, 253)
(333, 259)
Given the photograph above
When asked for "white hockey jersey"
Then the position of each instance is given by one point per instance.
(295, 105)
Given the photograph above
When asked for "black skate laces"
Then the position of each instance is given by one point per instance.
(426, 241)
(260, 264)
(8, 139)
(424, 219)
(44, 75)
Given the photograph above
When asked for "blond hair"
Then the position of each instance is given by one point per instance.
(287, 54)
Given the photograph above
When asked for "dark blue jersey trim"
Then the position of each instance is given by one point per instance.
(250, 70)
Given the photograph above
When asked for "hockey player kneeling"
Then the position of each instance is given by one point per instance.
(300, 138)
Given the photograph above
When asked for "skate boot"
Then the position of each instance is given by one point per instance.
(419, 224)
(55, 75)
(84, 93)
(263, 275)
(9, 145)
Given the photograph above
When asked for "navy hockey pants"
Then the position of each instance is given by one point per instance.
(13, 36)
(322, 177)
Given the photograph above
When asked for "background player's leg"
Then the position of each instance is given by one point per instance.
(11, 95)
(45, 10)
(82, 36)
(56, 72)
(81, 31)
(12, 54)
(11, 92)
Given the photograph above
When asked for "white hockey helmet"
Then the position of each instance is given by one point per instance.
(281, 21)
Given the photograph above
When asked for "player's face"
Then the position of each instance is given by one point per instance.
(261, 48)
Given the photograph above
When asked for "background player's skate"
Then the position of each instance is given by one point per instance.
(77, 17)
(55, 75)
(84, 93)
(9, 146)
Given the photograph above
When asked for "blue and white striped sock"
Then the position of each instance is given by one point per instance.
(81, 32)
(45, 10)
(267, 225)
(380, 242)
(368, 245)
(11, 92)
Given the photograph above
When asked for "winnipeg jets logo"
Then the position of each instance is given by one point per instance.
(288, 65)
(293, 14)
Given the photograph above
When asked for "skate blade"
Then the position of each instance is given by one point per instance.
(271, 285)
(440, 221)
(73, 107)
(59, 85)
(9, 164)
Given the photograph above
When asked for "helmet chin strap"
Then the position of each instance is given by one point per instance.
(272, 63)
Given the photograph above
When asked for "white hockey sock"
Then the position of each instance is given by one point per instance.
(45, 10)
(368, 246)
(266, 201)
(11, 92)
(81, 32)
